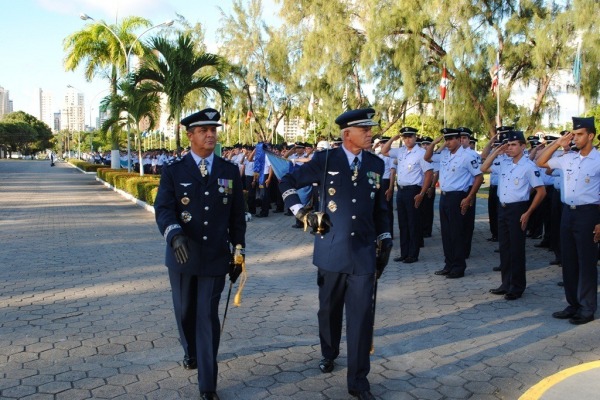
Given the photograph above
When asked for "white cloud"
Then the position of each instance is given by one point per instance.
(108, 9)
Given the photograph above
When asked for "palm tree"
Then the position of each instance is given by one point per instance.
(131, 106)
(176, 69)
(98, 47)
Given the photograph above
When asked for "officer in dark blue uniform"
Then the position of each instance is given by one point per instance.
(200, 212)
(517, 176)
(353, 200)
(580, 217)
(457, 168)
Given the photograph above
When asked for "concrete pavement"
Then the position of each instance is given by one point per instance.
(85, 311)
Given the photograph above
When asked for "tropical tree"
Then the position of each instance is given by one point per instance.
(177, 69)
(133, 104)
(103, 48)
(37, 138)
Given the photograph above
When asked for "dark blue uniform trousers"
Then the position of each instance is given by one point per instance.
(390, 203)
(556, 215)
(427, 213)
(196, 303)
(453, 225)
(579, 258)
(356, 293)
(409, 221)
(493, 210)
(511, 239)
(470, 226)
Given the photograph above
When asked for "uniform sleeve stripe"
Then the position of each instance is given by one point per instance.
(385, 235)
(288, 193)
(170, 228)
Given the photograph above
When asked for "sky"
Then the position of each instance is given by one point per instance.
(32, 34)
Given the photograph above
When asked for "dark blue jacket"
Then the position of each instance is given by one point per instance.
(357, 209)
(215, 212)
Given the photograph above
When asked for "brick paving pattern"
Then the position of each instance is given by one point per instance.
(85, 310)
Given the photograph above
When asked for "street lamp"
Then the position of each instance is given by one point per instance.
(127, 53)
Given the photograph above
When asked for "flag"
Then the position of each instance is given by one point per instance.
(249, 116)
(269, 115)
(495, 74)
(444, 83)
(345, 99)
(311, 103)
(281, 166)
(577, 66)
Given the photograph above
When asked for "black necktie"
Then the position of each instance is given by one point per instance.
(355, 166)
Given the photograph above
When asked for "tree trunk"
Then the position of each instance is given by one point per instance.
(535, 116)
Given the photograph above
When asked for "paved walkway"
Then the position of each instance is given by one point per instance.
(85, 311)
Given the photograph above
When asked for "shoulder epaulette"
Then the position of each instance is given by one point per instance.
(173, 162)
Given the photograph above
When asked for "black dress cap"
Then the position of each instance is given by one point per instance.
(208, 116)
(360, 117)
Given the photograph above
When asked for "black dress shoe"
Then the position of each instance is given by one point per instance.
(297, 226)
(209, 396)
(326, 365)
(498, 291)
(542, 244)
(511, 296)
(400, 259)
(564, 314)
(455, 275)
(427, 235)
(442, 272)
(362, 394)
(579, 320)
(189, 363)
(261, 215)
(492, 239)
(410, 260)
(277, 211)
(496, 250)
(498, 268)
(289, 214)
(554, 262)
(536, 236)
(561, 284)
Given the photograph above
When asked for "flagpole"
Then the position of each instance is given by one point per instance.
(498, 87)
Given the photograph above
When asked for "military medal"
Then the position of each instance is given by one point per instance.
(186, 217)
(203, 170)
(516, 181)
(409, 167)
(355, 174)
(221, 189)
(185, 201)
(332, 206)
(372, 195)
(587, 179)
(331, 191)
(225, 200)
(370, 181)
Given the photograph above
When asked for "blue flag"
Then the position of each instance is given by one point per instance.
(577, 67)
(281, 166)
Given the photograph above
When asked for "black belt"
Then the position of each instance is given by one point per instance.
(504, 205)
(408, 186)
(454, 191)
(582, 207)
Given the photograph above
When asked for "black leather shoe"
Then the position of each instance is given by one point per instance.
(277, 211)
(498, 291)
(579, 320)
(554, 262)
(561, 284)
(209, 396)
(189, 363)
(362, 394)
(511, 296)
(542, 244)
(498, 268)
(442, 272)
(492, 239)
(400, 259)
(297, 226)
(427, 235)
(410, 260)
(564, 314)
(326, 365)
(261, 216)
(289, 214)
(455, 275)
(496, 250)
(536, 236)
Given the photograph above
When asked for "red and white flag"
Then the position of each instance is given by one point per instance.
(443, 84)
(495, 75)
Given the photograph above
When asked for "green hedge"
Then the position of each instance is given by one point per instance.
(141, 187)
(86, 166)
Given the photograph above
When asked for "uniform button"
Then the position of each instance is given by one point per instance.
(331, 182)
(205, 222)
(354, 200)
(206, 208)
(352, 234)
(204, 238)
(206, 193)
(354, 217)
(355, 184)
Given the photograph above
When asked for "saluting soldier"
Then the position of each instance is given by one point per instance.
(466, 138)
(517, 176)
(200, 212)
(355, 210)
(580, 219)
(457, 167)
(413, 177)
(429, 200)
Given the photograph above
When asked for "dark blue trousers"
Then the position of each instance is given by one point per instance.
(493, 210)
(511, 239)
(196, 303)
(337, 290)
(427, 213)
(470, 225)
(453, 225)
(409, 221)
(390, 203)
(579, 258)
(556, 216)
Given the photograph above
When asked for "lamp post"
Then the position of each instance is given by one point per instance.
(127, 53)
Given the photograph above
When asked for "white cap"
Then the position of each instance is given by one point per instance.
(323, 144)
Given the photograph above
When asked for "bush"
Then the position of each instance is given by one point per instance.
(143, 188)
(85, 166)
(136, 186)
(152, 196)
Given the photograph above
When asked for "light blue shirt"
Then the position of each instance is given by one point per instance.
(351, 156)
(517, 180)
(208, 160)
(388, 165)
(456, 170)
(495, 170)
(581, 177)
(411, 166)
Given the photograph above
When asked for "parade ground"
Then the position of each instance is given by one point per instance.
(86, 311)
